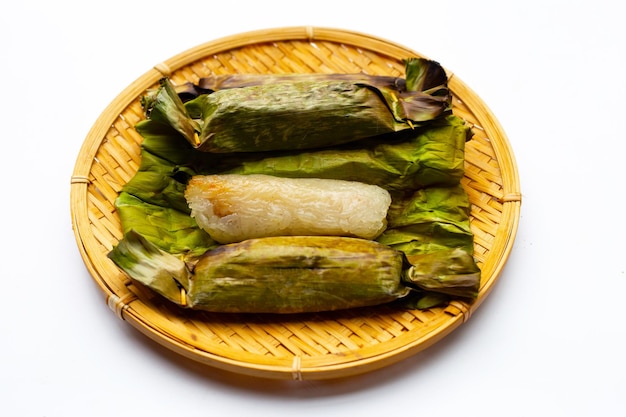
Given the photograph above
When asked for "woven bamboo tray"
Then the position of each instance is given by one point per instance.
(319, 346)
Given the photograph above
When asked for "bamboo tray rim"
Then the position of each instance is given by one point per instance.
(301, 367)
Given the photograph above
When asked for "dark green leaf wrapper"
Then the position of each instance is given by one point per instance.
(296, 274)
(302, 112)
(428, 221)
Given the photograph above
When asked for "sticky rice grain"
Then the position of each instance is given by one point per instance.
(232, 208)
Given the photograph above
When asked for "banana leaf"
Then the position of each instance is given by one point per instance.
(308, 111)
(171, 230)
(422, 167)
(150, 265)
(421, 75)
(240, 278)
(408, 161)
(429, 220)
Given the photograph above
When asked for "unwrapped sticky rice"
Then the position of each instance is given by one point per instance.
(232, 208)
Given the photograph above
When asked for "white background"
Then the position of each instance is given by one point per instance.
(548, 341)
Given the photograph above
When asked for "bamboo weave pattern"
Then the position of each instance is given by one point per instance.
(303, 346)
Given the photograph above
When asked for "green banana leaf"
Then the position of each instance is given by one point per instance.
(428, 163)
(309, 111)
(428, 219)
(412, 160)
(171, 230)
(432, 219)
(422, 75)
(153, 267)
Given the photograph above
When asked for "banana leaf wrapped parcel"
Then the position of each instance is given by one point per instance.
(289, 274)
(293, 112)
(423, 257)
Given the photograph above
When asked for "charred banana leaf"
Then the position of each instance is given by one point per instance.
(293, 112)
(270, 275)
(421, 75)
(295, 274)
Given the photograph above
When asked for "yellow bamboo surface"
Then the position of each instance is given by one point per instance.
(316, 346)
